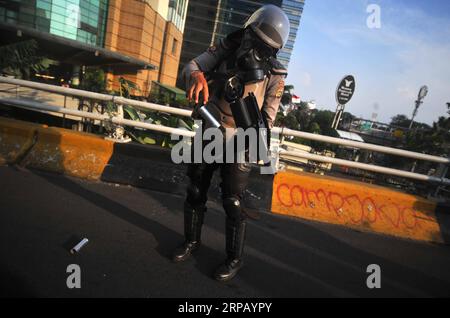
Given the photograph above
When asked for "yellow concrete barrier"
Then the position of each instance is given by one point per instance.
(16, 138)
(354, 204)
(73, 153)
(326, 199)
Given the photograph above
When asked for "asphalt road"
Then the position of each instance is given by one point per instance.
(132, 233)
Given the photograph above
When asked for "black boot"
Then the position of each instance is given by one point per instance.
(235, 239)
(193, 221)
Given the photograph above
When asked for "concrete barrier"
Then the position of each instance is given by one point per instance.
(353, 204)
(53, 149)
(358, 205)
(151, 167)
(145, 166)
(73, 153)
(16, 138)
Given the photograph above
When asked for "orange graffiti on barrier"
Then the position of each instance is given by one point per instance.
(366, 206)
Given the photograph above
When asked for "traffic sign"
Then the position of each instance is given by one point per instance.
(345, 90)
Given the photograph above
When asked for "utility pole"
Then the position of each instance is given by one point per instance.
(422, 93)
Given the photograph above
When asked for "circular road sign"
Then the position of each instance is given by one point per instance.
(345, 90)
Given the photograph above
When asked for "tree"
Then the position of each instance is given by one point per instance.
(94, 80)
(19, 59)
(303, 117)
(286, 99)
(347, 119)
(439, 137)
(303, 106)
(404, 121)
(127, 87)
(291, 122)
(423, 138)
(400, 121)
(314, 128)
(324, 118)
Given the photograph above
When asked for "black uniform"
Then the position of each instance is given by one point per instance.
(219, 63)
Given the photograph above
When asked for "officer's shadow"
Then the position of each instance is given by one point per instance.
(163, 234)
(167, 238)
(205, 260)
(288, 258)
(298, 260)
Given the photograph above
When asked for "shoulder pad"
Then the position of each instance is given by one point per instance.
(276, 68)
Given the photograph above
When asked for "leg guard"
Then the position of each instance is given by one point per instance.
(193, 221)
(235, 240)
(194, 209)
(235, 228)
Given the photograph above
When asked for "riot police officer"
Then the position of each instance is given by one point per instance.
(250, 52)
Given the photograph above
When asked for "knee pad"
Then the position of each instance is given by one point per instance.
(232, 206)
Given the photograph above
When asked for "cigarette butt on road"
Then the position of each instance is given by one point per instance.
(78, 247)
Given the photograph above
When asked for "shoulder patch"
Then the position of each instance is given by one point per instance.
(276, 68)
(280, 89)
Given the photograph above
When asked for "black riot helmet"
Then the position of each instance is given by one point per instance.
(263, 35)
(270, 24)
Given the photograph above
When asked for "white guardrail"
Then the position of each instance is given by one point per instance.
(119, 120)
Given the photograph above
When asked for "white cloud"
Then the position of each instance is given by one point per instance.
(390, 64)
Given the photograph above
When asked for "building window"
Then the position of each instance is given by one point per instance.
(66, 18)
(174, 46)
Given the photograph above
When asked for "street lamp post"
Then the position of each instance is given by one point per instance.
(422, 93)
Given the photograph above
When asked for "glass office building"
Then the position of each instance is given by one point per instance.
(231, 14)
(177, 13)
(80, 20)
(198, 30)
(294, 10)
(210, 20)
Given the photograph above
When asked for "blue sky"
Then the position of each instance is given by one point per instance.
(411, 49)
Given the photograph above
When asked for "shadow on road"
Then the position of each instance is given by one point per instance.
(165, 236)
(12, 285)
(285, 257)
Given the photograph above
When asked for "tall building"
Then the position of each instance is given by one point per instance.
(150, 30)
(137, 39)
(199, 28)
(209, 21)
(80, 20)
(294, 10)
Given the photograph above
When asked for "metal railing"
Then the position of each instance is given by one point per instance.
(95, 96)
(119, 120)
(28, 104)
(361, 145)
